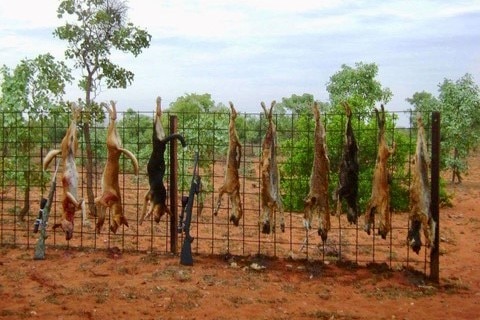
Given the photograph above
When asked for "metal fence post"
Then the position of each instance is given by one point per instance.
(434, 204)
(173, 187)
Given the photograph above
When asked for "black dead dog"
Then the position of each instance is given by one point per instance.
(157, 194)
(348, 176)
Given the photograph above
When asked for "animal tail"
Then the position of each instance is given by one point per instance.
(178, 136)
(132, 158)
(49, 157)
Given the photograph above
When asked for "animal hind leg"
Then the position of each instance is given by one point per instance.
(221, 191)
(237, 212)
(369, 219)
(265, 220)
(118, 219)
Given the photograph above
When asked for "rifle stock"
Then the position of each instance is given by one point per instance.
(186, 253)
(41, 222)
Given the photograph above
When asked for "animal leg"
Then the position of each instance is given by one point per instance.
(324, 224)
(414, 236)
(221, 191)
(307, 215)
(147, 198)
(160, 210)
(385, 219)
(101, 217)
(118, 218)
(236, 207)
(265, 220)
(369, 219)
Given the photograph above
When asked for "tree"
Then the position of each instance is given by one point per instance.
(29, 93)
(425, 103)
(101, 26)
(357, 86)
(459, 103)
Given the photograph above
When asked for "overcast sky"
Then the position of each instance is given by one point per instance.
(260, 50)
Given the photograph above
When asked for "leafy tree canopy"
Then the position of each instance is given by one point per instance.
(101, 26)
(358, 86)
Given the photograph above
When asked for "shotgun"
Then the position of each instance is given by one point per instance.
(187, 206)
(42, 220)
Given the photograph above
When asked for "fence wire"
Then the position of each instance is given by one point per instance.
(25, 142)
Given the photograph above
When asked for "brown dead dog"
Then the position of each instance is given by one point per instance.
(316, 203)
(348, 176)
(70, 203)
(111, 197)
(157, 194)
(231, 185)
(270, 186)
(420, 195)
(379, 202)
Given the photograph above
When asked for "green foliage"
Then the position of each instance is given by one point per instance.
(298, 152)
(101, 27)
(458, 103)
(28, 93)
(460, 119)
(357, 86)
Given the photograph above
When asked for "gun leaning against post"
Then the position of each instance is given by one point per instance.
(187, 206)
(42, 220)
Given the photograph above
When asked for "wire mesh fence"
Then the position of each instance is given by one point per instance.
(26, 141)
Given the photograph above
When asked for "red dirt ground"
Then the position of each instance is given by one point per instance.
(106, 284)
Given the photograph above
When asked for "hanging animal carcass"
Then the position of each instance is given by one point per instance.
(379, 203)
(156, 195)
(111, 196)
(231, 184)
(71, 202)
(420, 216)
(348, 174)
(270, 185)
(316, 203)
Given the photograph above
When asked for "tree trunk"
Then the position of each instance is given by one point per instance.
(26, 204)
(455, 171)
(88, 146)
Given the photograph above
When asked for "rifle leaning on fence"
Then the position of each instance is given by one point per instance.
(42, 220)
(186, 216)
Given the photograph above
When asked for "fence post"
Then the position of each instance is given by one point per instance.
(173, 187)
(434, 204)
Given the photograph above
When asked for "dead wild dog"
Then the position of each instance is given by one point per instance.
(70, 203)
(157, 194)
(379, 203)
(420, 195)
(270, 185)
(111, 196)
(231, 184)
(316, 203)
(348, 174)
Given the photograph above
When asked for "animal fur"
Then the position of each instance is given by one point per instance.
(157, 194)
(111, 197)
(270, 187)
(420, 195)
(348, 176)
(70, 203)
(379, 203)
(316, 203)
(231, 185)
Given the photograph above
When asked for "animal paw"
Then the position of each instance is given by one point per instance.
(266, 227)
(307, 224)
(323, 234)
(235, 220)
